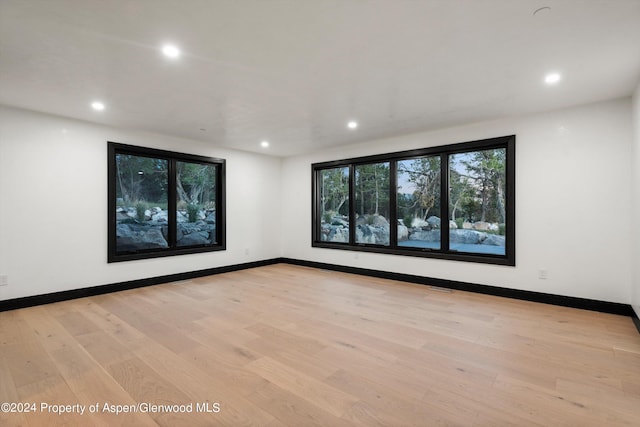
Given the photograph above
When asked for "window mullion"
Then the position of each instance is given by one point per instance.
(393, 204)
(444, 202)
(352, 204)
(172, 204)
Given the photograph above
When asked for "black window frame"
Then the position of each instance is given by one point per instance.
(503, 142)
(172, 157)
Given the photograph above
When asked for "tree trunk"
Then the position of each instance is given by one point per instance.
(501, 208)
(375, 178)
(483, 216)
(455, 208)
(181, 193)
(342, 202)
(123, 189)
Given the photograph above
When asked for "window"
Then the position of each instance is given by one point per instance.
(334, 205)
(418, 199)
(163, 203)
(372, 203)
(395, 203)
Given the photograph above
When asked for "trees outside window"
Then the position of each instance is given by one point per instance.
(372, 203)
(418, 202)
(334, 205)
(141, 198)
(452, 202)
(163, 203)
(477, 205)
(196, 203)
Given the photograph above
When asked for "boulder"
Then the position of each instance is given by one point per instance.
(123, 230)
(380, 221)
(481, 226)
(494, 240)
(339, 221)
(373, 235)
(403, 232)
(419, 223)
(364, 234)
(425, 236)
(338, 234)
(160, 216)
(192, 239)
(130, 237)
(471, 237)
(152, 239)
(434, 221)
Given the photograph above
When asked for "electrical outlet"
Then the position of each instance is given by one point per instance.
(543, 274)
(4, 280)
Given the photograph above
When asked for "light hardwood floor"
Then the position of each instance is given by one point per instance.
(291, 346)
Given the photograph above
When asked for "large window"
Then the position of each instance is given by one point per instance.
(163, 203)
(372, 203)
(452, 202)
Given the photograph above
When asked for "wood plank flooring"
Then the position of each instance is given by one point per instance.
(284, 345)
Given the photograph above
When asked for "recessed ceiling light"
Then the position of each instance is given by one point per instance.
(552, 78)
(264, 144)
(352, 124)
(171, 51)
(97, 105)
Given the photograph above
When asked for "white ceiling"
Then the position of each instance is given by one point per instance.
(294, 72)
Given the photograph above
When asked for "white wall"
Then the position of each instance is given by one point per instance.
(635, 299)
(53, 205)
(573, 211)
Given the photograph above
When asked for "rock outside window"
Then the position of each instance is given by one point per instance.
(163, 203)
(395, 203)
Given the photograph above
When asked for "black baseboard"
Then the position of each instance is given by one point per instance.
(565, 301)
(573, 302)
(636, 321)
(31, 301)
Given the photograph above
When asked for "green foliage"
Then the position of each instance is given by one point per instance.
(196, 183)
(421, 176)
(502, 229)
(334, 190)
(326, 217)
(145, 178)
(141, 178)
(477, 182)
(140, 211)
(192, 212)
(408, 219)
(370, 219)
(372, 189)
(459, 222)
